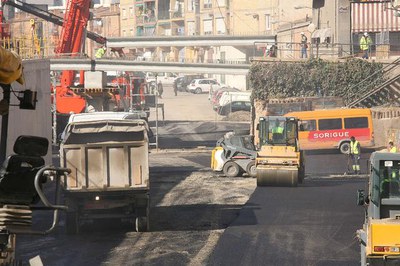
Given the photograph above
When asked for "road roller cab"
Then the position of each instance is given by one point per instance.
(279, 160)
(380, 236)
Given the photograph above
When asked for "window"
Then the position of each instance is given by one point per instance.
(192, 5)
(388, 179)
(220, 3)
(356, 122)
(267, 22)
(191, 28)
(207, 3)
(220, 24)
(131, 12)
(123, 13)
(308, 125)
(207, 26)
(329, 124)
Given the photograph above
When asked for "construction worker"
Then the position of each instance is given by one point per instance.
(277, 131)
(391, 148)
(365, 43)
(100, 52)
(355, 150)
(390, 185)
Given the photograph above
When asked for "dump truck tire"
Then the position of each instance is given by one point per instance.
(231, 169)
(141, 224)
(277, 177)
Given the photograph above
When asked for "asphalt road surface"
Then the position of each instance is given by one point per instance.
(313, 224)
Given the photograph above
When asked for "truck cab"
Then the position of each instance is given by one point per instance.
(380, 235)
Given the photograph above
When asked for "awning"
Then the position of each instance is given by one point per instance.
(373, 17)
(322, 34)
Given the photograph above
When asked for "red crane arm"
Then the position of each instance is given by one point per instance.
(72, 40)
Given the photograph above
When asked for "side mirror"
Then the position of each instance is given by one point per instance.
(360, 197)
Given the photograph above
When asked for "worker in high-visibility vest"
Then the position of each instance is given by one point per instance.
(391, 148)
(355, 151)
(100, 52)
(277, 131)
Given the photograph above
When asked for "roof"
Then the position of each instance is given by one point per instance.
(98, 116)
(330, 112)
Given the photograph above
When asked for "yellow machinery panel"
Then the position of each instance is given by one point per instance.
(384, 237)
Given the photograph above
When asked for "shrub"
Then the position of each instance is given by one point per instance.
(315, 77)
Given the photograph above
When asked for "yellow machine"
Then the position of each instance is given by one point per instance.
(279, 160)
(380, 236)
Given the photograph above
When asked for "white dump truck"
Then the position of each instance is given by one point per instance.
(107, 153)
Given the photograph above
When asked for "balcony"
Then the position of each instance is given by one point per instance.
(177, 15)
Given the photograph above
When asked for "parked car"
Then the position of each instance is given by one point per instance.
(234, 107)
(217, 94)
(184, 81)
(202, 85)
(233, 96)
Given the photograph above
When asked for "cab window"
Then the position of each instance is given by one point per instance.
(389, 179)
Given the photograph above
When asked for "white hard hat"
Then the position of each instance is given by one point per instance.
(302, 33)
(365, 33)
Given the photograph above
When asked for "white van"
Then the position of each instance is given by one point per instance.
(166, 78)
(234, 96)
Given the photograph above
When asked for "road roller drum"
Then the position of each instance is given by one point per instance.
(280, 176)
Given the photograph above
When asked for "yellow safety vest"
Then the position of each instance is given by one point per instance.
(278, 130)
(393, 150)
(100, 53)
(354, 147)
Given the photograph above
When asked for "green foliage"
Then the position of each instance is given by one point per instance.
(315, 77)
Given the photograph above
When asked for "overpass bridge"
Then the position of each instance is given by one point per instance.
(120, 64)
(187, 41)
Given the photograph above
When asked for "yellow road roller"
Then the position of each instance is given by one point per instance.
(279, 162)
(380, 235)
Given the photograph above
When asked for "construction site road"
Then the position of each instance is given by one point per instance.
(192, 207)
(313, 224)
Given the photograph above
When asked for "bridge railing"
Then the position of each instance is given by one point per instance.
(28, 48)
(293, 50)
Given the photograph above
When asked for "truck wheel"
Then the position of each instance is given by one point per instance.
(141, 224)
(231, 169)
(251, 169)
(71, 223)
(198, 91)
(345, 147)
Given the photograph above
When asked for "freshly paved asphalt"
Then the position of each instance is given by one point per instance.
(313, 224)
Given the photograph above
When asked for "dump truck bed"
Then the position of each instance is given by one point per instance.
(106, 156)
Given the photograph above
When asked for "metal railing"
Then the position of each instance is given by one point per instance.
(292, 50)
(28, 48)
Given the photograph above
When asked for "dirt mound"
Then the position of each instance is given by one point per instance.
(238, 116)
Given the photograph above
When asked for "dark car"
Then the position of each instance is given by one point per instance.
(182, 82)
(234, 107)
